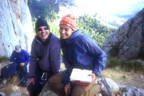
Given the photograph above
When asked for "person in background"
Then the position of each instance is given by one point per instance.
(79, 51)
(45, 57)
(20, 57)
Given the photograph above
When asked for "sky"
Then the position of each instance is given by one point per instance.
(110, 10)
(107, 6)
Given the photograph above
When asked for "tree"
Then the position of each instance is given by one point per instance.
(94, 28)
(43, 8)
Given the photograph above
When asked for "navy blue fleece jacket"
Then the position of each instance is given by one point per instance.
(45, 55)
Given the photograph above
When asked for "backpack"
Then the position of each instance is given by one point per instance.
(8, 71)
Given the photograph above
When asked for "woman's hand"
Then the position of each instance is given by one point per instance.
(67, 89)
(29, 81)
(93, 77)
(22, 64)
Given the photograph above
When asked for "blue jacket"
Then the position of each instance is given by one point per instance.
(80, 51)
(18, 58)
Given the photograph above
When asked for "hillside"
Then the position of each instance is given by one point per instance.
(122, 77)
(125, 78)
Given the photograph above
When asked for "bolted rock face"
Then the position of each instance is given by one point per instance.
(15, 26)
(128, 41)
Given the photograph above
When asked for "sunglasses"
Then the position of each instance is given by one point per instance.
(40, 29)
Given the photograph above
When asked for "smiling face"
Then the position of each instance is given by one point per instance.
(43, 32)
(65, 31)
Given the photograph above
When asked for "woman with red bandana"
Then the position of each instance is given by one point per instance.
(79, 51)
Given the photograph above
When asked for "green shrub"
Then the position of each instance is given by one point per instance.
(126, 65)
(4, 59)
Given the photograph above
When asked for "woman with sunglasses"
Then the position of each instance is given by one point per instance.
(44, 59)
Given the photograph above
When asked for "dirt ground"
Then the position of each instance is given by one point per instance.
(120, 77)
(125, 78)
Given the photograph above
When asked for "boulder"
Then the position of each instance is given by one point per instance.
(127, 42)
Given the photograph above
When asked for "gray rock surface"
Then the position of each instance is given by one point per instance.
(108, 88)
(15, 26)
(128, 41)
